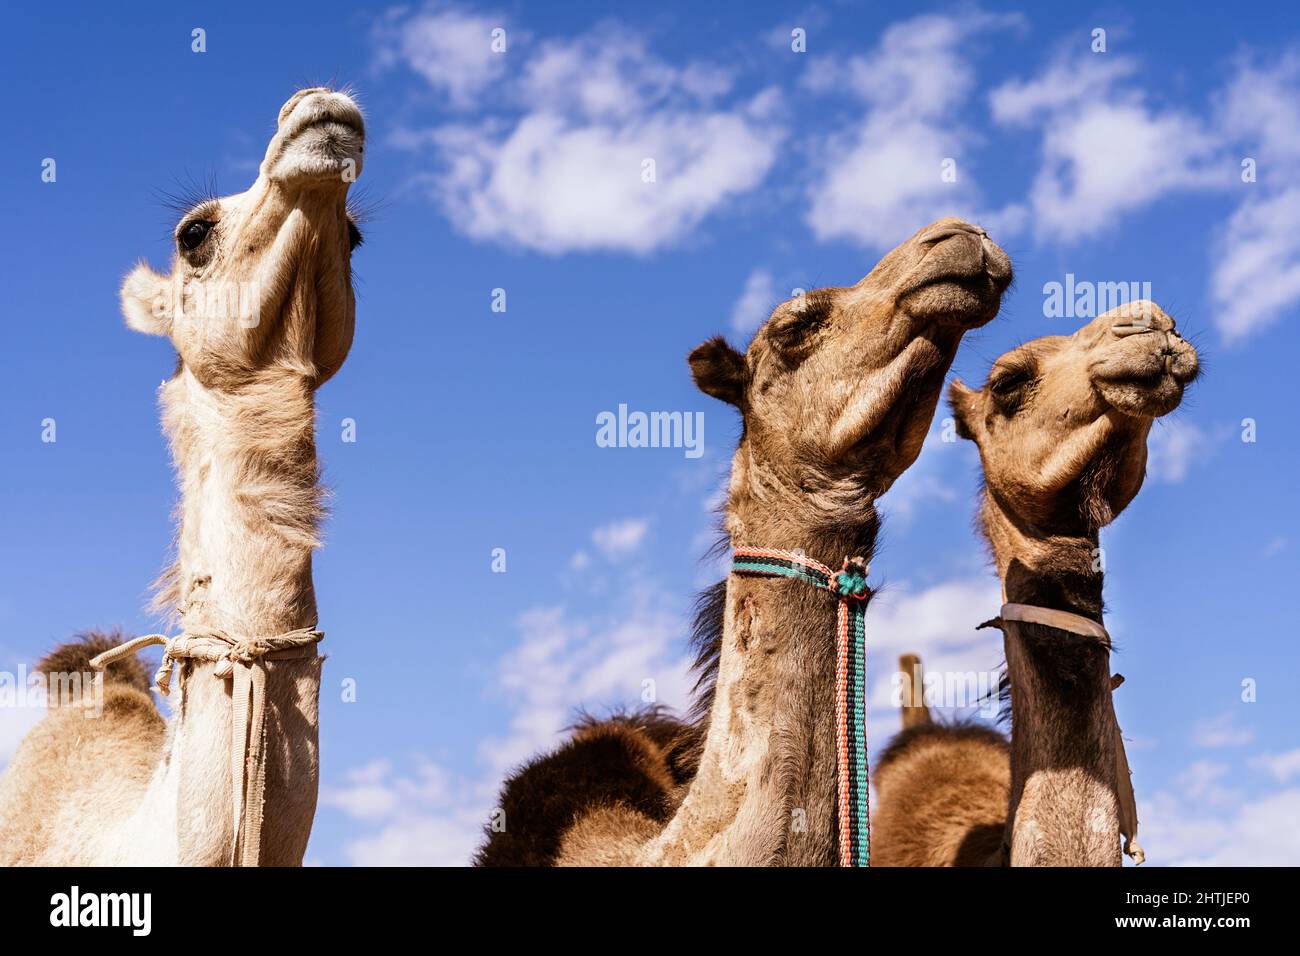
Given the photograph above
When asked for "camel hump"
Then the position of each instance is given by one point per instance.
(633, 765)
(73, 657)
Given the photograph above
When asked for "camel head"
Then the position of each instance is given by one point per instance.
(838, 387)
(262, 279)
(1062, 421)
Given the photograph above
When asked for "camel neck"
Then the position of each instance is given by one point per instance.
(246, 460)
(765, 791)
(1061, 570)
(250, 503)
(1064, 799)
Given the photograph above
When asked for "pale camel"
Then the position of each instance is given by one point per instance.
(836, 392)
(259, 305)
(1062, 427)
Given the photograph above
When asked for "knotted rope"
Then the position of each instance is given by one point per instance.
(239, 660)
(1086, 627)
(849, 585)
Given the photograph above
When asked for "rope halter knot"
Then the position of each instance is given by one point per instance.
(849, 585)
(238, 660)
(850, 582)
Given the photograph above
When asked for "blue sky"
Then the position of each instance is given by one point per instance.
(775, 170)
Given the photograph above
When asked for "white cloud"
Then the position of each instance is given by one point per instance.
(17, 714)
(882, 180)
(424, 840)
(1221, 731)
(449, 47)
(429, 817)
(367, 795)
(425, 818)
(1064, 84)
(929, 480)
(1256, 256)
(1256, 264)
(1105, 151)
(570, 173)
(938, 623)
(755, 304)
(1282, 766)
(1173, 447)
(1203, 781)
(15, 723)
(1261, 832)
(1260, 106)
(621, 537)
(563, 662)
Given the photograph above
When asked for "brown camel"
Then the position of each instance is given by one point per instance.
(1061, 426)
(836, 392)
(260, 308)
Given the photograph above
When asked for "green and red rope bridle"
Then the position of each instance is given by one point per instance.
(849, 585)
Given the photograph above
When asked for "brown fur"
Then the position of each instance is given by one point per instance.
(625, 761)
(942, 797)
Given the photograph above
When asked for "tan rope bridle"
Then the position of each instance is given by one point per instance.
(240, 661)
(1086, 627)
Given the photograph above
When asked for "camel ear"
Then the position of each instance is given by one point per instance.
(719, 370)
(147, 301)
(964, 407)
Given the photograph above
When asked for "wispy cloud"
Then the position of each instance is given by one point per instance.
(1221, 731)
(938, 623)
(755, 303)
(15, 724)
(1174, 447)
(883, 178)
(1256, 832)
(424, 817)
(449, 47)
(1256, 276)
(1105, 150)
(621, 538)
(1283, 767)
(595, 143)
(633, 654)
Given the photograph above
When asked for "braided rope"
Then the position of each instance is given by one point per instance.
(239, 660)
(849, 585)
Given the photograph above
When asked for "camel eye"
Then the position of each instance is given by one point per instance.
(192, 236)
(804, 316)
(1008, 386)
(354, 235)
